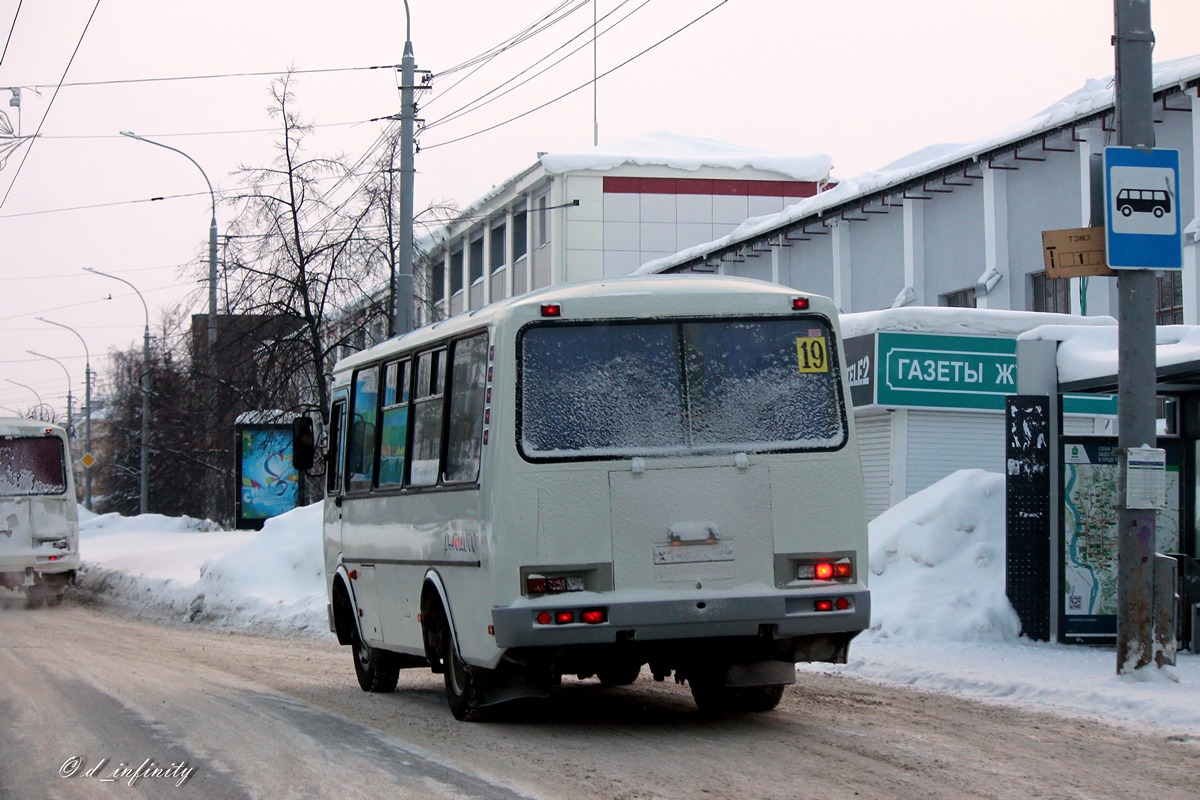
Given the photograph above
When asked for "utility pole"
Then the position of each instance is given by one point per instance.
(1136, 368)
(404, 275)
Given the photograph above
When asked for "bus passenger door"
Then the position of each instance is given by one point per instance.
(334, 486)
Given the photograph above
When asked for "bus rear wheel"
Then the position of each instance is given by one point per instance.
(461, 692)
(714, 698)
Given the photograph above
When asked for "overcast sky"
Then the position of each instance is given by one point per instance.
(866, 81)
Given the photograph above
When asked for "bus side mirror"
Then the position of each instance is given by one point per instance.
(303, 443)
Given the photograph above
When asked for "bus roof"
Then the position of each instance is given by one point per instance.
(640, 297)
(22, 426)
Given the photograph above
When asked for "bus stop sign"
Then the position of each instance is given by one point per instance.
(1141, 193)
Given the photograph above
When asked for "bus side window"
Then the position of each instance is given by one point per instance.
(360, 463)
(333, 479)
(468, 382)
(427, 409)
(393, 441)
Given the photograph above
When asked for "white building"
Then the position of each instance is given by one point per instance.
(607, 211)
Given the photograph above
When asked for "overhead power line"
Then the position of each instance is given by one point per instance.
(12, 28)
(584, 85)
(213, 76)
(490, 96)
(50, 105)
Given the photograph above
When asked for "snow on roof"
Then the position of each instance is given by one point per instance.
(1087, 353)
(968, 321)
(1092, 97)
(666, 149)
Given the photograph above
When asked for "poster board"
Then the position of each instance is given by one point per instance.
(267, 483)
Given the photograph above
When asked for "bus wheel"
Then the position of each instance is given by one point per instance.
(619, 675)
(759, 698)
(377, 670)
(460, 686)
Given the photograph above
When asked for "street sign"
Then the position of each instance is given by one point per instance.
(933, 371)
(1074, 253)
(88, 460)
(1141, 194)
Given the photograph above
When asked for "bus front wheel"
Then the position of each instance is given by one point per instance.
(377, 670)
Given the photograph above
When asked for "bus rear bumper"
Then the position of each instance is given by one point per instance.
(782, 614)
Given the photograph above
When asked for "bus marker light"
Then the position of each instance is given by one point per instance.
(564, 617)
(352, 574)
(799, 304)
(544, 618)
(823, 605)
(594, 616)
(551, 310)
(842, 603)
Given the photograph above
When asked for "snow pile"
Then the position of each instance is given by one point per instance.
(937, 563)
(191, 570)
(666, 149)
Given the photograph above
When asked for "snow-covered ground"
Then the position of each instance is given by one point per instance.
(940, 619)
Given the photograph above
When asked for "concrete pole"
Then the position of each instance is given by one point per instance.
(1136, 368)
(87, 401)
(404, 274)
(145, 386)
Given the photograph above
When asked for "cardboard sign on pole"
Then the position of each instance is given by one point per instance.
(1075, 253)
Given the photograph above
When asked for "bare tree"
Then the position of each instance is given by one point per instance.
(298, 260)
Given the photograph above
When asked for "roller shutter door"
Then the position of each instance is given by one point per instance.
(875, 449)
(943, 442)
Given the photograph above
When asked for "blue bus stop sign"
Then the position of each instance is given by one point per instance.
(1141, 192)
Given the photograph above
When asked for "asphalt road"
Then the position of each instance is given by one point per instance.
(95, 704)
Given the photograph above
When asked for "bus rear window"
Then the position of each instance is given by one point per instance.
(610, 390)
(30, 466)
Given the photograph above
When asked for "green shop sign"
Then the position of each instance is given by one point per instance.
(925, 370)
(946, 371)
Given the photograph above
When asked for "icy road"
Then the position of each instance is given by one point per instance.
(96, 704)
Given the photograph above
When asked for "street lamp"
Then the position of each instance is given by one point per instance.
(66, 372)
(87, 418)
(145, 382)
(40, 404)
(212, 240)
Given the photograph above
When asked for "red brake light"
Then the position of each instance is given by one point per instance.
(842, 603)
(799, 304)
(824, 571)
(551, 310)
(823, 605)
(842, 569)
(594, 616)
(544, 618)
(564, 617)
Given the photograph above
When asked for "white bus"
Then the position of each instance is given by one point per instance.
(595, 477)
(39, 518)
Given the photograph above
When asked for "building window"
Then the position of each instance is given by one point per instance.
(543, 221)
(1169, 308)
(437, 280)
(456, 272)
(518, 233)
(476, 265)
(964, 298)
(1049, 294)
(496, 255)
